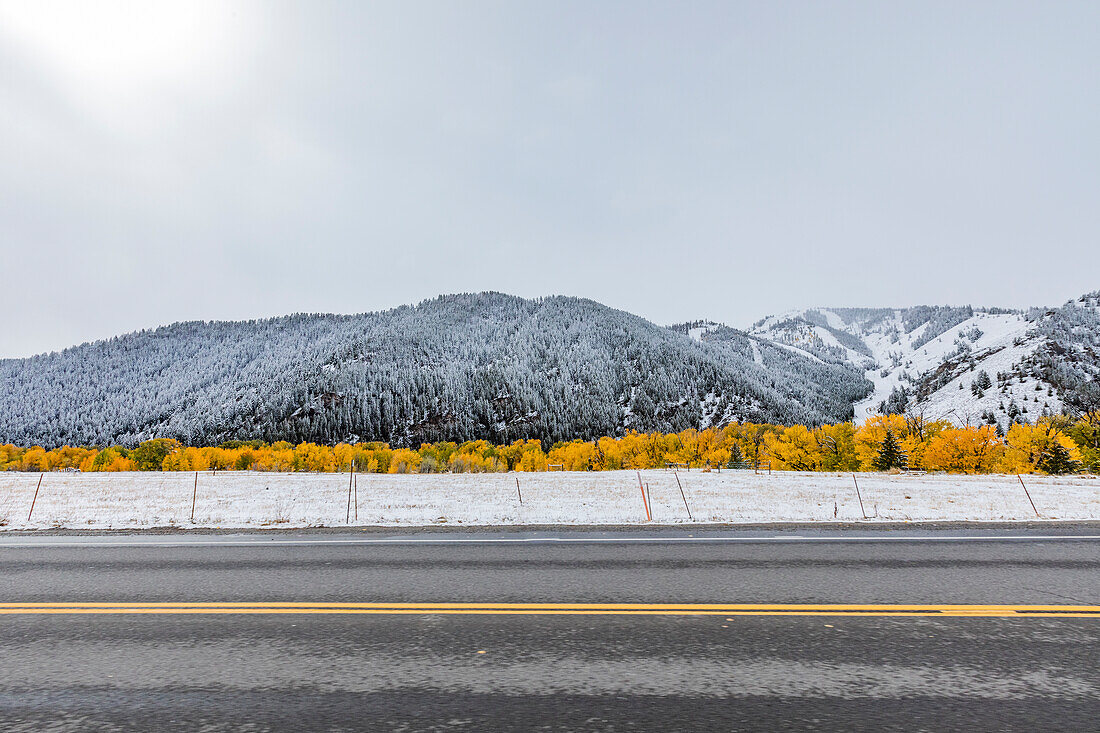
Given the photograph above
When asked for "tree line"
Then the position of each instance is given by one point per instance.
(1053, 445)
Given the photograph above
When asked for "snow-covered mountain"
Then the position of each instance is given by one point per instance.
(458, 367)
(964, 364)
(498, 367)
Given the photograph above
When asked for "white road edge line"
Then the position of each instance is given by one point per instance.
(95, 542)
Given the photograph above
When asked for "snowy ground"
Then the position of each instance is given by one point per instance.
(244, 499)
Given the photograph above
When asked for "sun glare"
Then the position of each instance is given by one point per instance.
(121, 43)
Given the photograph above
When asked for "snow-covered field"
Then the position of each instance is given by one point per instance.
(244, 499)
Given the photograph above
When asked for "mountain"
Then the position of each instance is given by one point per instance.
(458, 367)
(497, 367)
(963, 364)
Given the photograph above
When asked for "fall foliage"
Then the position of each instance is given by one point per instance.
(1053, 445)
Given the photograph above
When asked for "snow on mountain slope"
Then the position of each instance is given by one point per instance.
(940, 375)
(695, 330)
(497, 367)
(458, 367)
(956, 363)
(839, 382)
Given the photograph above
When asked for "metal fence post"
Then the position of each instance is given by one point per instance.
(36, 488)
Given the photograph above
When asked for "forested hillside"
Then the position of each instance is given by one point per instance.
(501, 368)
(460, 367)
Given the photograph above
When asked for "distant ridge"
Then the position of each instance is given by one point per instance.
(964, 364)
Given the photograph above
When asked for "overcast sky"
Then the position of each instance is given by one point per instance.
(210, 160)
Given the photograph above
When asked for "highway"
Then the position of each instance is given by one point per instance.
(562, 630)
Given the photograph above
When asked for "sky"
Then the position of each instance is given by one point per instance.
(162, 162)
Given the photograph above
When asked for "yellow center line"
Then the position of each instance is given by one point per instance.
(606, 609)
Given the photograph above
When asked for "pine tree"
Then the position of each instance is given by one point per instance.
(896, 403)
(737, 458)
(890, 455)
(1057, 460)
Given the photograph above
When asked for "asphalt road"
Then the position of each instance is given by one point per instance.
(656, 666)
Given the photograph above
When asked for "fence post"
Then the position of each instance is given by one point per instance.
(194, 495)
(861, 510)
(1028, 494)
(518, 492)
(645, 501)
(351, 478)
(682, 494)
(36, 488)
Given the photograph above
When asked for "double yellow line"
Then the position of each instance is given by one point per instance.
(557, 609)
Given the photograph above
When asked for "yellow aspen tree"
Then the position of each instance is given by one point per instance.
(964, 450)
(1026, 445)
(871, 434)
